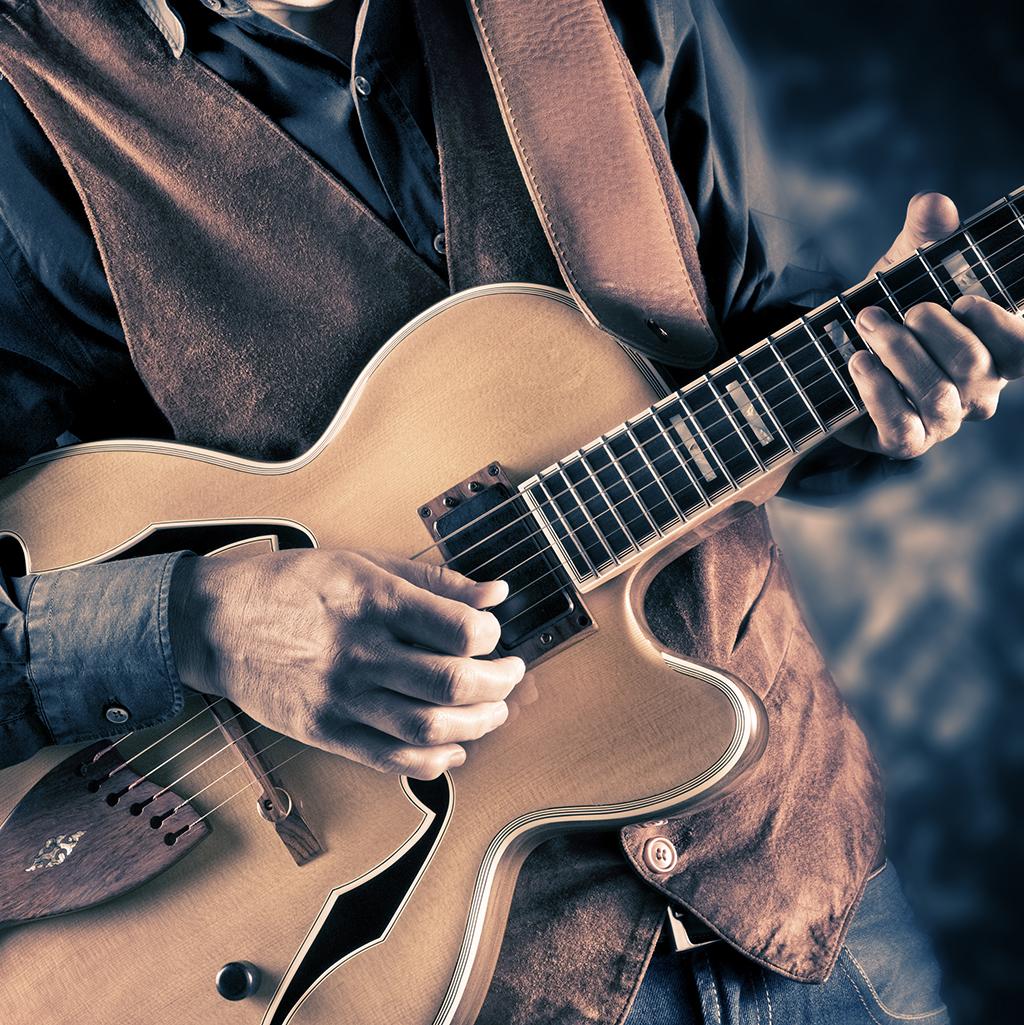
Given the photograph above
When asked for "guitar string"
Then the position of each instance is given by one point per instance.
(159, 740)
(135, 783)
(607, 553)
(223, 775)
(680, 394)
(645, 509)
(199, 765)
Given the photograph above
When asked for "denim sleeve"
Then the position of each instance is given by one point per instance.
(78, 644)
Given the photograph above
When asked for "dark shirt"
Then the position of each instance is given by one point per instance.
(76, 644)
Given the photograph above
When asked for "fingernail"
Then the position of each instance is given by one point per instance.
(871, 319)
(964, 303)
(501, 584)
(457, 759)
(859, 363)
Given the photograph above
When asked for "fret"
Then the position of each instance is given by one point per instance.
(718, 430)
(679, 480)
(814, 375)
(988, 269)
(839, 339)
(621, 494)
(602, 517)
(871, 293)
(828, 361)
(910, 285)
(1016, 288)
(999, 240)
(765, 407)
(789, 410)
(684, 433)
(726, 391)
(554, 521)
(554, 509)
(689, 416)
(888, 295)
(940, 288)
(651, 491)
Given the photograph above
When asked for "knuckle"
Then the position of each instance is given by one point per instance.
(395, 761)
(905, 439)
(969, 363)
(448, 685)
(942, 403)
(983, 407)
(429, 728)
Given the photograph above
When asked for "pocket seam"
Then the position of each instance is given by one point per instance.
(922, 1016)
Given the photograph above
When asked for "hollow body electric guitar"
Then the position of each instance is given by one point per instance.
(209, 858)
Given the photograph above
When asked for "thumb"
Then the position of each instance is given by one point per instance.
(930, 216)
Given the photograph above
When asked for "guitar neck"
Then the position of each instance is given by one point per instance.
(718, 438)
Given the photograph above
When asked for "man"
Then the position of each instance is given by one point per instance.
(360, 684)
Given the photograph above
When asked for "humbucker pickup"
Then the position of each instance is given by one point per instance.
(487, 532)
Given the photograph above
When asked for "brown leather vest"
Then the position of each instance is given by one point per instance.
(252, 287)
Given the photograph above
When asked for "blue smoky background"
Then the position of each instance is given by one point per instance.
(915, 588)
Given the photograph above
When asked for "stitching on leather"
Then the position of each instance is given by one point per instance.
(549, 220)
(878, 1000)
(673, 235)
(563, 256)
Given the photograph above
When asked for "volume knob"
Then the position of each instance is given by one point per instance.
(238, 980)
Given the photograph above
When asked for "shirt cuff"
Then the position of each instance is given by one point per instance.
(100, 661)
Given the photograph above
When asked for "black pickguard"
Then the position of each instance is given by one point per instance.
(362, 915)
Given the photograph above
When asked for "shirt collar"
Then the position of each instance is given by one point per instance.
(170, 25)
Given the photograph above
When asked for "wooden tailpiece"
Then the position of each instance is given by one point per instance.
(275, 803)
(71, 844)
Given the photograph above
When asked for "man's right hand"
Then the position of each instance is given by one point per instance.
(359, 653)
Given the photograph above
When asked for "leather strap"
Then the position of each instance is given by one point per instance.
(598, 173)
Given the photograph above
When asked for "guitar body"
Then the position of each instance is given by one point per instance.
(607, 730)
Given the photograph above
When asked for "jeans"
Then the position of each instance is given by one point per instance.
(885, 974)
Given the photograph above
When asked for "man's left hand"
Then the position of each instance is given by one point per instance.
(951, 365)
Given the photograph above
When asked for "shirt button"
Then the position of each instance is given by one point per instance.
(116, 714)
(660, 854)
(363, 86)
(440, 243)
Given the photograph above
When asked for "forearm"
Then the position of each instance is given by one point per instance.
(80, 647)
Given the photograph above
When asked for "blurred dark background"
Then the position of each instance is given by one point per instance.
(916, 589)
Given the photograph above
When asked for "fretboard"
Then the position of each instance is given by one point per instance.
(644, 481)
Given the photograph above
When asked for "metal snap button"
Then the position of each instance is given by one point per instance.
(660, 854)
(214, 5)
(440, 243)
(116, 714)
(362, 85)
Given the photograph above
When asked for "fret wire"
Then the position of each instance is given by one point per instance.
(700, 430)
(796, 384)
(572, 534)
(682, 462)
(634, 543)
(988, 269)
(935, 278)
(586, 512)
(1012, 204)
(725, 409)
(764, 405)
(835, 373)
(889, 294)
(644, 511)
